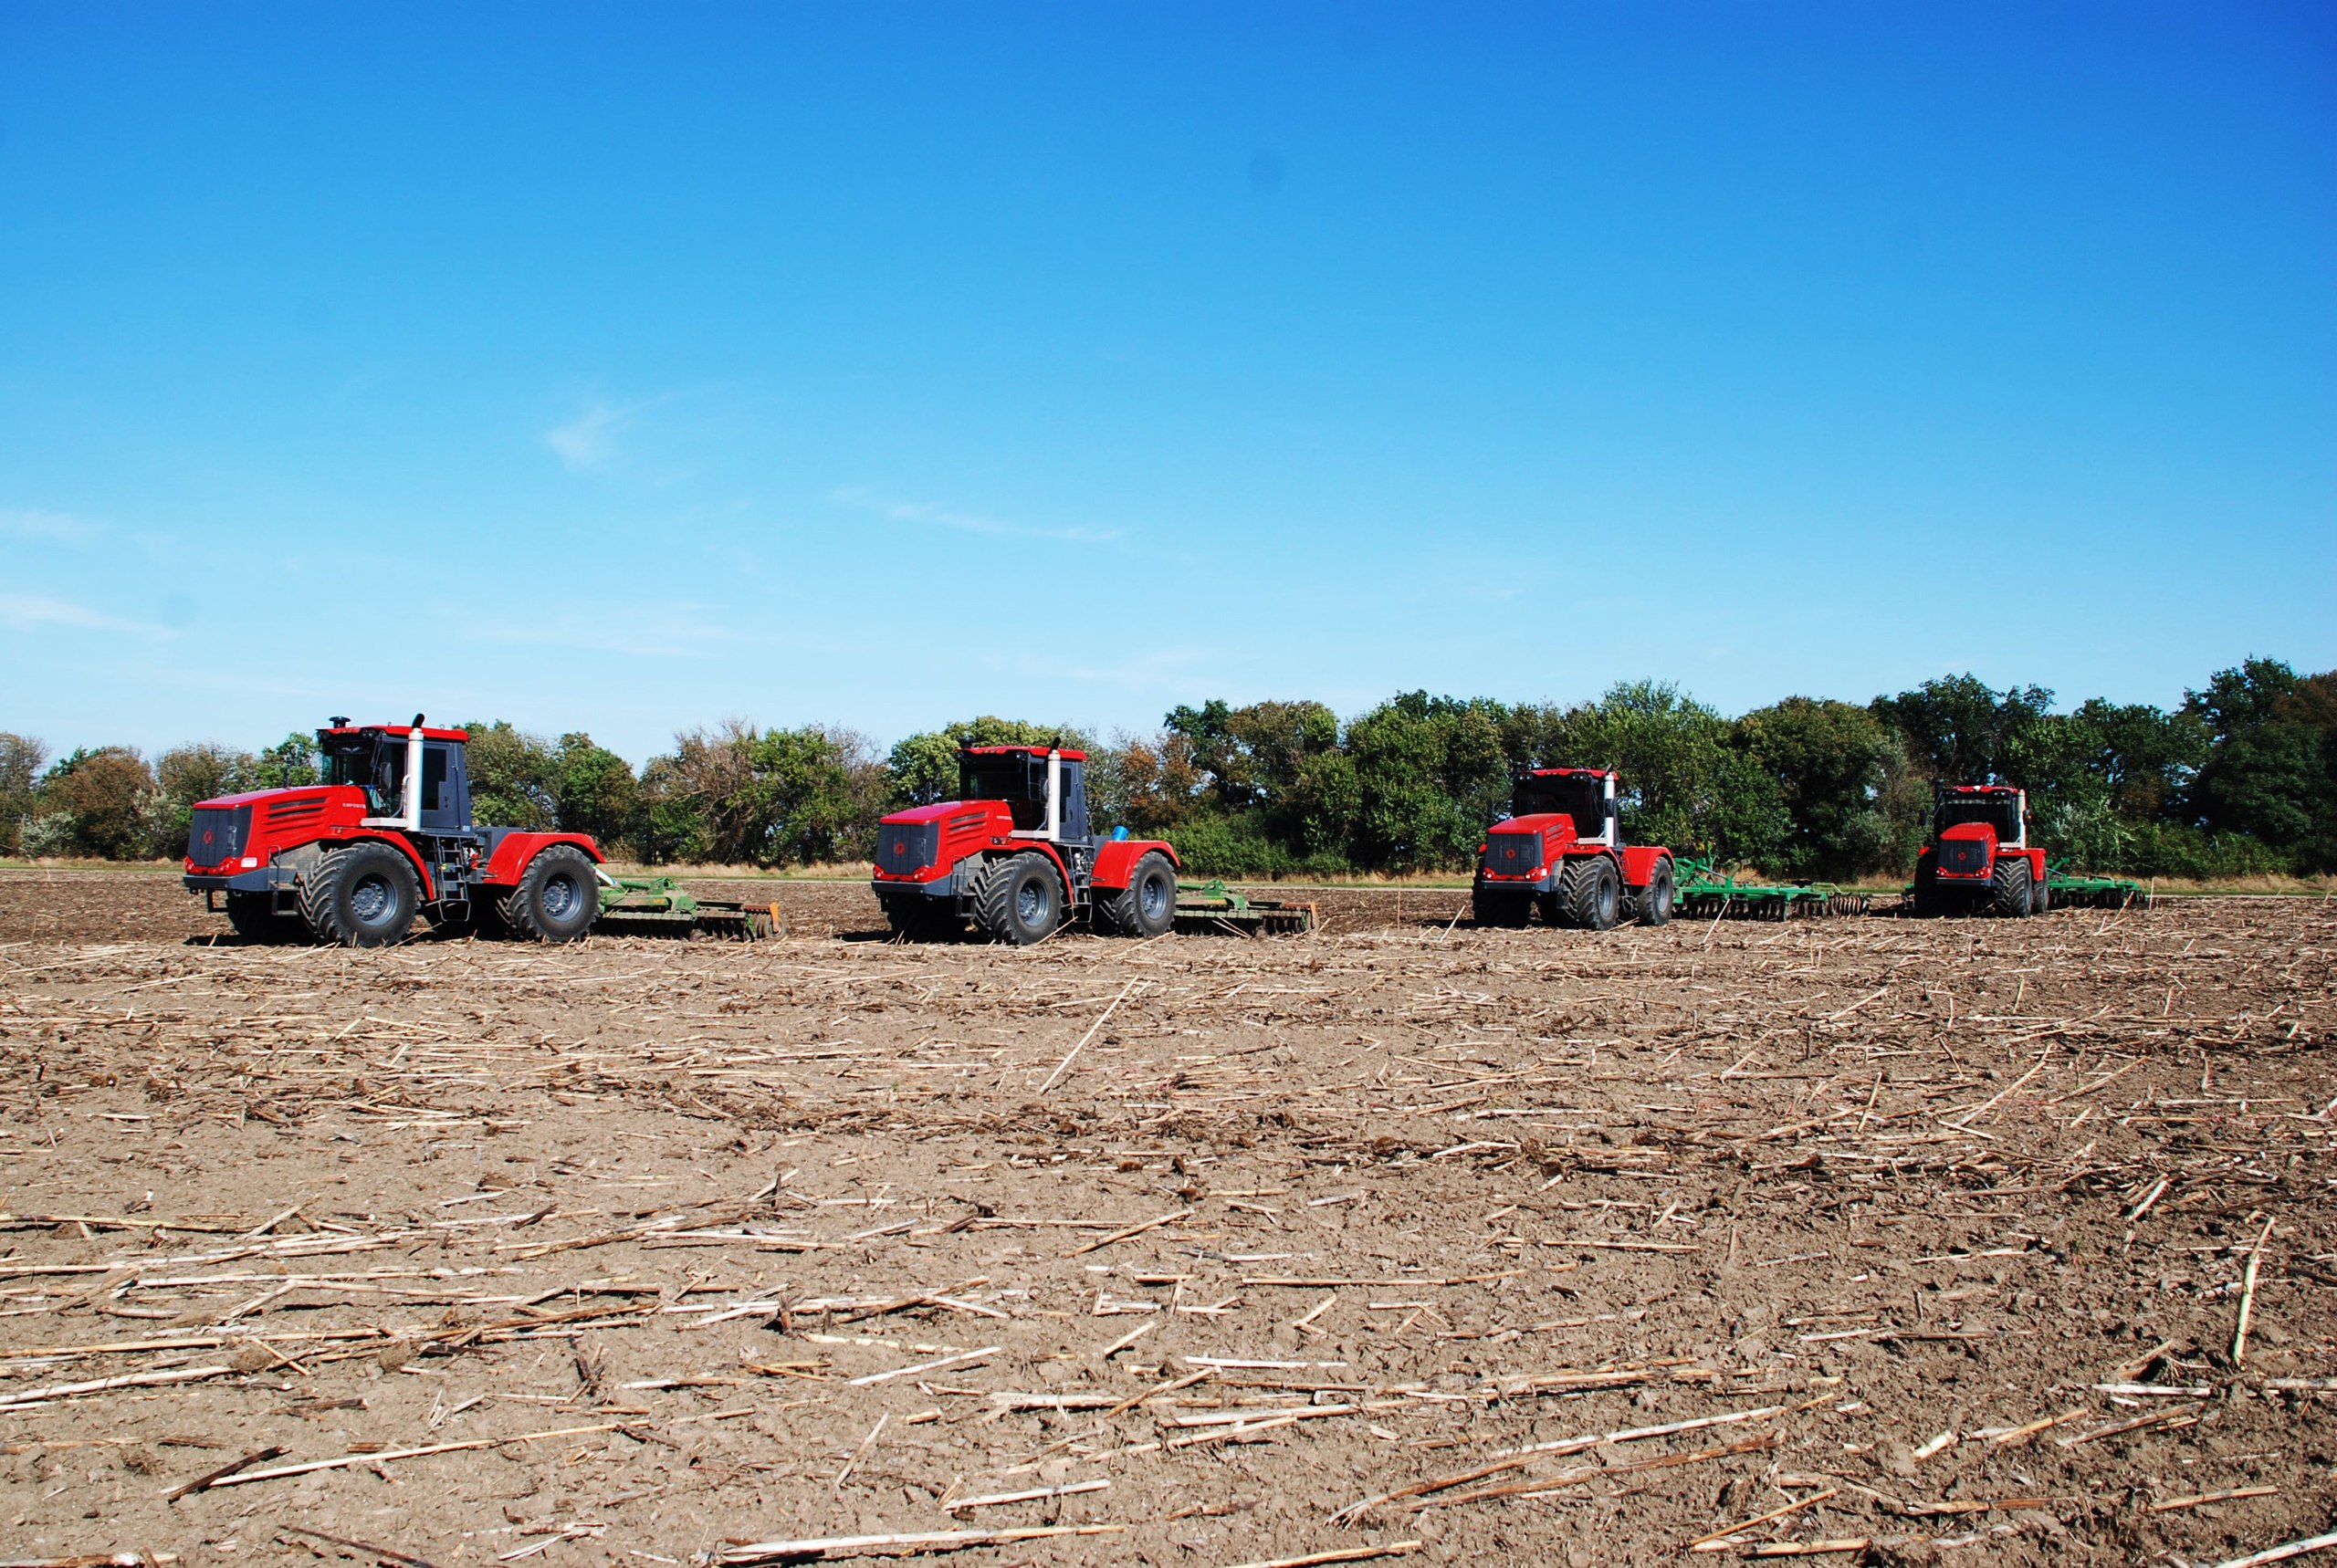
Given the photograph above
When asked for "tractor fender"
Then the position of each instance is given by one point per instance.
(1640, 862)
(507, 861)
(1116, 860)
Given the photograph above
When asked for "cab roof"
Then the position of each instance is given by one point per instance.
(1567, 773)
(398, 731)
(1038, 751)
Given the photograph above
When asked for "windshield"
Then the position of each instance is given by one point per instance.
(1007, 778)
(1579, 796)
(2001, 813)
(361, 760)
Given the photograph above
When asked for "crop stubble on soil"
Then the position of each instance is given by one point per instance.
(786, 1240)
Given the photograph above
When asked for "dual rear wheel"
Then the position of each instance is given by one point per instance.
(1019, 899)
(368, 894)
(1590, 897)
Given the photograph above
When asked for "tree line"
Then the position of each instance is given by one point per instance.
(2238, 779)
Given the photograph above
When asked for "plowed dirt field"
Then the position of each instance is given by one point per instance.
(1905, 1242)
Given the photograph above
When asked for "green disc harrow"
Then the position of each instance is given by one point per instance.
(1703, 891)
(656, 906)
(1216, 909)
(2075, 889)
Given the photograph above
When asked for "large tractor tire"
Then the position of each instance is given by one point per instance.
(1591, 893)
(557, 899)
(1146, 907)
(1500, 905)
(2040, 897)
(257, 924)
(1654, 902)
(365, 895)
(1019, 899)
(2008, 885)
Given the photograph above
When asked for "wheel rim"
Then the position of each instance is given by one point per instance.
(1152, 898)
(373, 901)
(1030, 902)
(562, 897)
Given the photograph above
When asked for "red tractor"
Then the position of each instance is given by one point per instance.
(1978, 858)
(1561, 851)
(385, 837)
(1014, 855)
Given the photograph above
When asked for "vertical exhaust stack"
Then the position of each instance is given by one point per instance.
(409, 817)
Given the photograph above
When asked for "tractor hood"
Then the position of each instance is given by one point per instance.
(254, 825)
(936, 812)
(1983, 832)
(924, 842)
(1542, 822)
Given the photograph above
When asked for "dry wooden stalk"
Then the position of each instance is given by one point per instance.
(2201, 1500)
(1712, 1543)
(213, 1478)
(1338, 1554)
(2282, 1553)
(379, 1553)
(2248, 1298)
(914, 1542)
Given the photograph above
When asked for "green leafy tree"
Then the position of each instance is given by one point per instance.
(289, 764)
(738, 795)
(21, 759)
(1960, 730)
(1149, 785)
(1430, 773)
(94, 804)
(595, 792)
(2270, 771)
(514, 776)
(675, 823)
(1829, 763)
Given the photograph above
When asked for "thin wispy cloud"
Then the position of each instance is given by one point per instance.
(49, 527)
(32, 611)
(964, 522)
(588, 440)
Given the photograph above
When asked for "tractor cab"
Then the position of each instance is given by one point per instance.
(1995, 813)
(1584, 796)
(375, 759)
(1044, 789)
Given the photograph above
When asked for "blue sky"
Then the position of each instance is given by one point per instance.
(628, 368)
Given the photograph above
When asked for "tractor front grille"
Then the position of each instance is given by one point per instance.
(1513, 854)
(218, 833)
(905, 847)
(1962, 857)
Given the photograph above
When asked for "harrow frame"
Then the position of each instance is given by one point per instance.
(657, 907)
(1215, 909)
(1703, 891)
